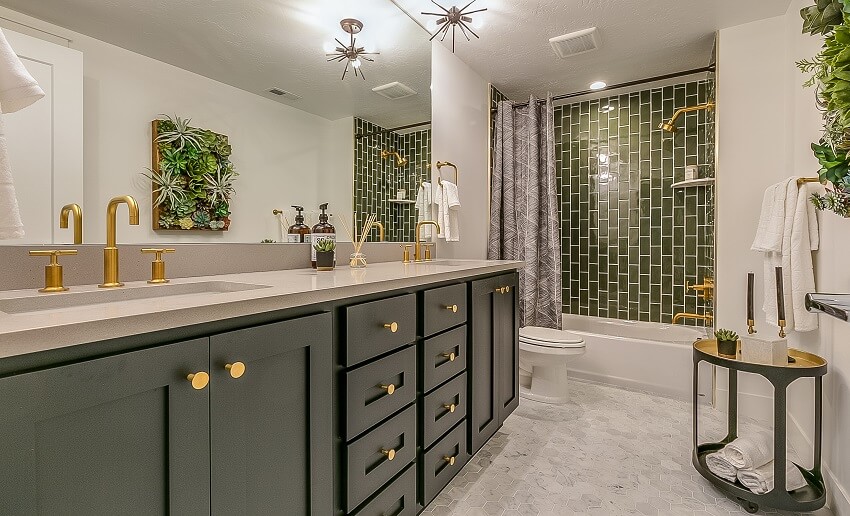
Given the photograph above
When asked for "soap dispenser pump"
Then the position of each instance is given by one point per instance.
(321, 231)
(299, 232)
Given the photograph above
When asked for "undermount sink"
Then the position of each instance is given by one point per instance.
(44, 302)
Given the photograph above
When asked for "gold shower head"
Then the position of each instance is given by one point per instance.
(670, 126)
(399, 159)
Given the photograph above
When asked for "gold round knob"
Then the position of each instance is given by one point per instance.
(199, 380)
(236, 369)
(389, 453)
(451, 408)
(451, 356)
(452, 308)
(450, 460)
(393, 327)
(390, 388)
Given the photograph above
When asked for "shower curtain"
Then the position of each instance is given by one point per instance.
(524, 221)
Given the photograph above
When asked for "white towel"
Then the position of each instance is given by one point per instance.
(18, 90)
(787, 235)
(761, 480)
(750, 451)
(719, 465)
(425, 208)
(448, 206)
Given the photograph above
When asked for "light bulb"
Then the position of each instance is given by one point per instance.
(598, 85)
(356, 63)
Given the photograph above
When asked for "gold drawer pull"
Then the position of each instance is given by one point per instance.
(452, 308)
(236, 369)
(199, 380)
(389, 453)
(450, 460)
(390, 388)
(393, 327)
(451, 408)
(507, 290)
(451, 356)
(500, 290)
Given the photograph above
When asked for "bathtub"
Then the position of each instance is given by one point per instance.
(650, 357)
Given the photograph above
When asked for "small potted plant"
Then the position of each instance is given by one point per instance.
(727, 342)
(325, 254)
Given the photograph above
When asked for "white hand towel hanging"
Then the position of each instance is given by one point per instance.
(425, 208)
(18, 89)
(448, 208)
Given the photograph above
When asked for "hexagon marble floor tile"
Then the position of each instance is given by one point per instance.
(609, 451)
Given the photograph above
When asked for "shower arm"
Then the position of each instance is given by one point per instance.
(671, 125)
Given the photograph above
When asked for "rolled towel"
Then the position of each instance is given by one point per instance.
(751, 451)
(719, 465)
(761, 480)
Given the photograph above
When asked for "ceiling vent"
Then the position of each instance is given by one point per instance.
(576, 43)
(285, 94)
(394, 91)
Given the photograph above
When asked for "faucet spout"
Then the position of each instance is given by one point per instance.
(110, 252)
(78, 221)
(417, 250)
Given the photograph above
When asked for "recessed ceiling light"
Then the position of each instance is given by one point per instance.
(598, 85)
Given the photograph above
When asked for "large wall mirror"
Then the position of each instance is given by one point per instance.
(259, 94)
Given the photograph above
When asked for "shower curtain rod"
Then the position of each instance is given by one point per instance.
(382, 131)
(709, 68)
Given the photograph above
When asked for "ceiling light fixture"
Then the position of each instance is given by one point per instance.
(598, 85)
(454, 18)
(351, 54)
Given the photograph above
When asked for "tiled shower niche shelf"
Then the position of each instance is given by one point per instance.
(836, 305)
(402, 201)
(702, 181)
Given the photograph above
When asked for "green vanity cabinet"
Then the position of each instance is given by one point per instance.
(271, 406)
(493, 355)
(125, 434)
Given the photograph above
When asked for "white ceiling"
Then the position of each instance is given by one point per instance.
(640, 38)
(259, 44)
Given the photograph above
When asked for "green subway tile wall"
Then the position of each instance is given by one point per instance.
(632, 243)
(377, 180)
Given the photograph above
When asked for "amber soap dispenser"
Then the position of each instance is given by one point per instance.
(323, 230)
(299, 232)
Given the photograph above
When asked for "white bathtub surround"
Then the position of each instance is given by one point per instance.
(608, 452)
(651, 357)
(524, 219)
(544, 354)
(787, 234)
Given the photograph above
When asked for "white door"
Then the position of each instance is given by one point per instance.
(46, 139)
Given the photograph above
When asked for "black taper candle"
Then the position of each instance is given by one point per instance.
(751, 280)
(780, 296)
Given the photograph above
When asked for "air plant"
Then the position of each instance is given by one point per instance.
(220, 186)
(181, 134)
(168, 187)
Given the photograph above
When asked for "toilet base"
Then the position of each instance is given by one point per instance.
(546, 384)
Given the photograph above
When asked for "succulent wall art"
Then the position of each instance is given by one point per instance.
(192, 177)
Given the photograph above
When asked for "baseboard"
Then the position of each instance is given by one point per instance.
(627, 383)
(750, 405)
(838, 498)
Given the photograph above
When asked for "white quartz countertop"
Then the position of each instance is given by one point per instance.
(43, 330)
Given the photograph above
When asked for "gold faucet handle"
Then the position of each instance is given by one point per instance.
(428, 254)
(53, 280)
(406, 257)
(157, 266)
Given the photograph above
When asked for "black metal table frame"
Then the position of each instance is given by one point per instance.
(809, 498)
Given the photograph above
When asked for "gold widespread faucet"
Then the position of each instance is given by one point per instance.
(110, 252)
(417, 249)
(381, 231)
(67, 210)
(684, 315)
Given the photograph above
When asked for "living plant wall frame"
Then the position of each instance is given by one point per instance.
(191, 177)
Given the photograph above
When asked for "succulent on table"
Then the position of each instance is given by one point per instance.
(324, 245)
(726, 335)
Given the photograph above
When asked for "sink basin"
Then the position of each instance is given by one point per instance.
(75, 299)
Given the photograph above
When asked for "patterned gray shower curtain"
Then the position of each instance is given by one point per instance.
(524, 221)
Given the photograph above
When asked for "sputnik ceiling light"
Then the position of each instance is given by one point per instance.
(351, 53)
(454, 18)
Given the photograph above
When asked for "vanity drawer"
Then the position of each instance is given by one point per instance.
(397, 499)
(375, 391)
(442, 462)
(369, 327)
(442, 409)
(444, 356)
(379, 456)
(444, 308)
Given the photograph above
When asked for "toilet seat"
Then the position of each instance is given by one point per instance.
(549, 338)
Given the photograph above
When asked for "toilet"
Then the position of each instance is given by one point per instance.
(543, 357)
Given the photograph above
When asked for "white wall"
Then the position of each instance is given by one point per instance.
(280, 152)
(460, 124)
(766, 122)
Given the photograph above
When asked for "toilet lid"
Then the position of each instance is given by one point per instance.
(550, 337)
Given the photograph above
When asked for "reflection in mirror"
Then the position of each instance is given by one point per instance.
(262, 79)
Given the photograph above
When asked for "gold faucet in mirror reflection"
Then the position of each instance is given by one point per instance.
(110, 252)
(417, 248)
(684, 315)
(706, 290)
(67, 210)
(381, 231)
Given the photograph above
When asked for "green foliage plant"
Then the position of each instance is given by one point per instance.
(726, 335)
(324, 245)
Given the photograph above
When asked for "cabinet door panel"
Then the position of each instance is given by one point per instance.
(271, 438)
(484, 410)
(506, 329)
(119, 435)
